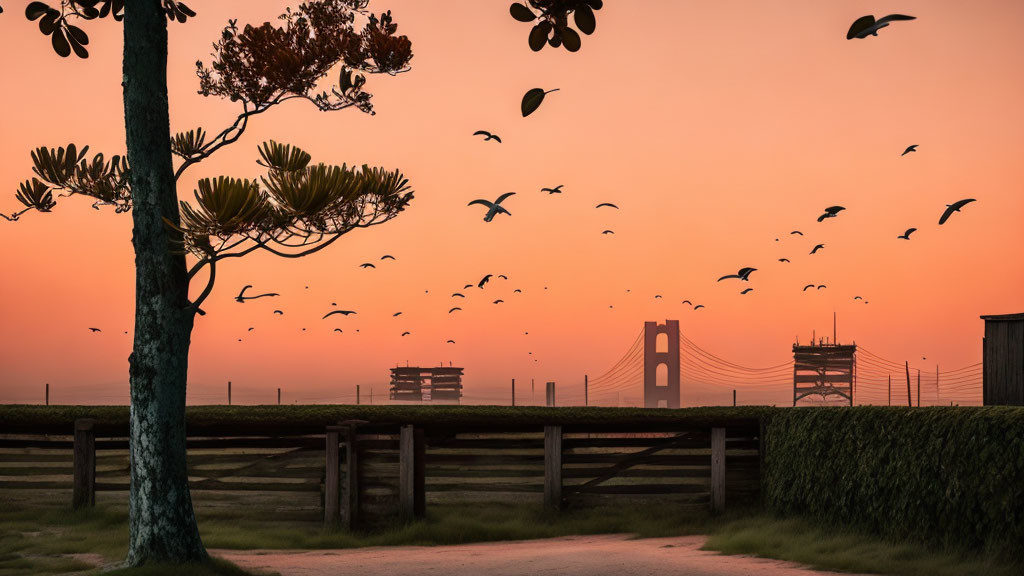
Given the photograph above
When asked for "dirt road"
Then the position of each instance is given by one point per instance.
(605, 555)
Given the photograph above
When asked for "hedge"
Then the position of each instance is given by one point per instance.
(946, 476)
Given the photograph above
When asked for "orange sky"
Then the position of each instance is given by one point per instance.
(715, 126)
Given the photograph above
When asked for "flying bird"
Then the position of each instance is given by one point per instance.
(831, 212)
(906, 235)
(493, 208)
(343, 312)
(746, 290)
(337, 329)
(698, 306)
(488, 135)
(867, 25)
(499, 301)
(808, 286)
(783, 259)
(743, 274)
(95, 330)
(406, 333)
(396, 314)
(458, 294)
(687, 302)
(608, 232)
(366, 265)
(820, 286)
(911, 148)
(279, 312)
(450, 342)
(954, 207)
(387, 257)
(454, 309)
(517, 291)
(250, 329)
(467, 286)
(857, 298)
(555, 190)
(609, 204)
(817, 247)
(796, 232)
(502, 276)
(241, 298)
(484, 280)
(657, 295)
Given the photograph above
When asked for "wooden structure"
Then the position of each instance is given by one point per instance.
(667, 395)
(440, 385)
(362, 473)
(1003, 359)
(825, 370)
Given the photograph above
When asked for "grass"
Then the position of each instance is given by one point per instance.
(41, 539)
(827, 548)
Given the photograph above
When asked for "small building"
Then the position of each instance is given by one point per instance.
(1003, 360)
(440, 385)
(825, 370)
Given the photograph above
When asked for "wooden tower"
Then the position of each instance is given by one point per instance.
(824, 369)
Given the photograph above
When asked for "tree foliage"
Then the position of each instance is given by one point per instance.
(552, 17)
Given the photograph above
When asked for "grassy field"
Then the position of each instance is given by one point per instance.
(42, 538)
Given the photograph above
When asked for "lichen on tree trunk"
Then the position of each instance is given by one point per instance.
(162, 524)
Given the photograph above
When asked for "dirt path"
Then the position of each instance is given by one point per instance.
(611, 555)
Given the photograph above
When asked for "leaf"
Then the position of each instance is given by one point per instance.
(521, 13)
(35, 10)
(570, 39)
(539, 35)
(584, 18)
(78, 35)
(595, 4)
(532, 100)
(48, 23)
(60, 43)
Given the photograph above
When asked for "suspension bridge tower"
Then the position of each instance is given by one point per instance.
(665, 395)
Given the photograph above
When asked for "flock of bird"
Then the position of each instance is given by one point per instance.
(862, 28)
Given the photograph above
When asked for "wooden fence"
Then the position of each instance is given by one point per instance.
(365, 471)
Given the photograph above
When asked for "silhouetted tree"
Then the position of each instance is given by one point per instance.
(296, 209)
(552, 25)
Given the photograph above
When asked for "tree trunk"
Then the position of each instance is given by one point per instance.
(162, 525)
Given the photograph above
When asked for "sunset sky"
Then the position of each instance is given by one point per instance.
(716, 127)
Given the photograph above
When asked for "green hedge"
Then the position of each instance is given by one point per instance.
(951, 477)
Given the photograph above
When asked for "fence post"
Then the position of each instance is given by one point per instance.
(550, 394)
(406, 473)
(350, 488)
(84, 479)
(717, 470)
(552, 467)
(332, 481)
(419, 481)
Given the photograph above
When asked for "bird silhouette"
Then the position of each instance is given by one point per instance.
(488, 135)
(279, 312)
(698, 306)
(467, 286)
(555, 190)
(743, 274)
(906, 235)
(745, 290)
(338, 330)
(250, 329)
(454, 309)
(342, 312)
(95, 330)
(241, 298)
(450, 342)
(867, 25)
(831, 212)
(609, 204)
(687, 302)
(493, 208)
(499, 301)
(820, 286)
(366, 265)
(657, 295)
(808, 286)
(796, 232)
(406, 333)
(911, 148)
(396, 314)
(458, 294)
(502, 276)
(608, 232)
(783, 259)
(857, 298)
(817, 247)
(954, 207)
(517, 291)
(484, 280)
(387, 257)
